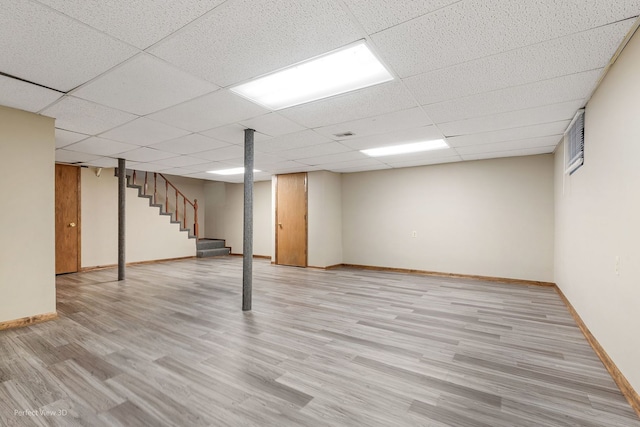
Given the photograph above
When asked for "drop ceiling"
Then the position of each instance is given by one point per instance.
(150, 84)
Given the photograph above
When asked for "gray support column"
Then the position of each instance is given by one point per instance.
(122, 188)
(247, 243)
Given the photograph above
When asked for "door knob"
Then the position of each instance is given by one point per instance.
(72, 224)
(280, 224)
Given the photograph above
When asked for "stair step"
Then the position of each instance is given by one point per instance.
(204, 253)
(210, 244)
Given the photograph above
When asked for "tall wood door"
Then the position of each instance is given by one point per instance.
(291, 219)
(67, 219)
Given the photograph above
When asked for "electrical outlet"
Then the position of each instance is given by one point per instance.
(414, 234)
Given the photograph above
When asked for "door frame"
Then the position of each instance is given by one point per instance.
(306, 217)
(79, 211)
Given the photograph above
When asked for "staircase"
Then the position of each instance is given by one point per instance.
(211, 247)
(157, 205)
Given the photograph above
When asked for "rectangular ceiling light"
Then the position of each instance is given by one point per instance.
(351, 68)
(234, 171)
(436, 144)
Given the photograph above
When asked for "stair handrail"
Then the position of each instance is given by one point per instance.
(186, 200)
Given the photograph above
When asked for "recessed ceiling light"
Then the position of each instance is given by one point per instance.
(435, 144)
(234, 171)
(351, 68)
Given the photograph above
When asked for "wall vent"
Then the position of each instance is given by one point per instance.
(574, 138)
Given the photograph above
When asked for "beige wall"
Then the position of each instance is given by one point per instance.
(598, 217)
(490, 218)
(149, 236)
(27, 235)
(325, 219)
(225, 215)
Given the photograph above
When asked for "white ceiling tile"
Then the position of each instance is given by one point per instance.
(513, 119)
(584, 51)
(146, 154)
(146, 167)
(139, 22)
(209, 166)
(143, 131)
(420, 158)
(534, 131)
(45, 47)
(262, 160)
(376, 15)
(474, 29)
(213, 110)
(25, 96)
(406, 136)
(510, 153)
(176, 172)
(314, 150)
(306, 138)
(234, 134)
(64, 137)
(182, 161)
(290, 168)
(246, 38)
(330, 159)
(86, 117)
(143, 85)
(385, 123)
(352, 106)
(272, 124)
(568, 88)
(354, 169)
(425, 162)
(101, 146)
(104, 162)
(363, 162)
(189, 144)
(66, 156)
(545, 141)
(283, 165)
(224, 153)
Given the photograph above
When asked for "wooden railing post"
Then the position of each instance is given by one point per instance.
(166, 195)
(146, 188)
(184, 213)
(177, 219)
(195, 217)
(155, 188)
(134, 178)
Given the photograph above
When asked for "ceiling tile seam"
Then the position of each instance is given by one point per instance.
(417, 17)
(513, 128)
(20, 79)
(512, 151)
(183, 28)
(46, 6)
(513, 86)
(615, 56)
(94, 103)
(470, 61)
(342, 139)
(367, 37)
(515, 111)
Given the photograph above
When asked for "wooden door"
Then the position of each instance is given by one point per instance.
(67, 219)
(291, 219)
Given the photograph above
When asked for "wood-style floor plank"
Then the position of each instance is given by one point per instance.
(170, 346)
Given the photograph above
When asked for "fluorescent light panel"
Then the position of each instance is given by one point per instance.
(435, 144)
(233, 171)
(354, 67)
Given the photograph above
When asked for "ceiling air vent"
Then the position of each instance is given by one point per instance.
(343, 134)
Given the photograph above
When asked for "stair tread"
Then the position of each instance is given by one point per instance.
(202, 253)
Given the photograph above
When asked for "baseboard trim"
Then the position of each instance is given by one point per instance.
(623, 384)
(454, 275)
(26, 321)
(152, 261)
(255, 256)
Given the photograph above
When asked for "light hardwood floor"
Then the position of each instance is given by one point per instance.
(170, 346)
